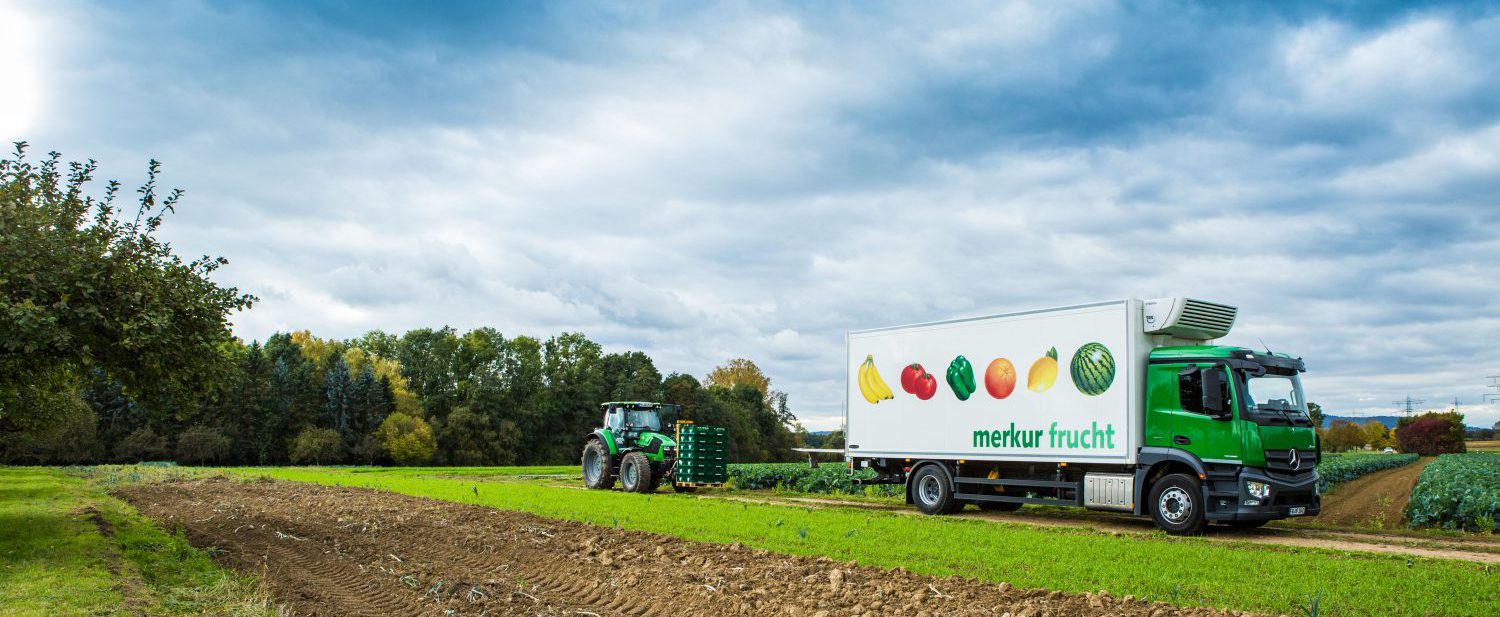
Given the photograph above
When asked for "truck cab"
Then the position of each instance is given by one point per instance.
(1237, 418)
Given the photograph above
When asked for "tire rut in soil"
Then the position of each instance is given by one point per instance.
(342, 551)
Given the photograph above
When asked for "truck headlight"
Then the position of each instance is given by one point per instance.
(1258, 490)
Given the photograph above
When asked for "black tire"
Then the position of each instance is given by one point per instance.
(932, 491)
(1177, 505)
(598, 469)
(1247, 524)
(635, 473)
(998, 506)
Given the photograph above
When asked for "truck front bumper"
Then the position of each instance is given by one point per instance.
(1289, 497)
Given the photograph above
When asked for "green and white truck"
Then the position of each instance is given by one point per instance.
(1125, 405)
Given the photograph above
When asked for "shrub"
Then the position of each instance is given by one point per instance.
(408, 439)
(1458, 491)
(142, 445)
(202, 444)
(1431, 434)
(316, 446)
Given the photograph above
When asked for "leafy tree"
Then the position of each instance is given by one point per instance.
(1431, 434)
(200, 445)
(739, 371)
(317, 446)
(85, 284)
(1342, 435)
(407, 439)
(1376, 435)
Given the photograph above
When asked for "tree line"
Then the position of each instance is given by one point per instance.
(429, 396)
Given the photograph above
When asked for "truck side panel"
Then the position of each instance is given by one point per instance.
(1081, 406)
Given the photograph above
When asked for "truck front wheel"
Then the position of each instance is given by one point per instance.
(1176, 505)
(598, 469)
(932, 491)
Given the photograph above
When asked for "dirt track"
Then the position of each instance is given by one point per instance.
(343, 551)
(1377, 500)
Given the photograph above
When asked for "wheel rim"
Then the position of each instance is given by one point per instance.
(592, 468)
(930, 490)
(1175, 505)
(629, 474)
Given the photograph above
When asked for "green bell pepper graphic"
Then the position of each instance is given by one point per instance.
(961, 378)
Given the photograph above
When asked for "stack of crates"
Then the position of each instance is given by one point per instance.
(702, 455)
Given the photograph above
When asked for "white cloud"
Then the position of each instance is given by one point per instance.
(751, 182)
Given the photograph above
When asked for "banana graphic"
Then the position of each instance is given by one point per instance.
(871, 386)
(865, 389)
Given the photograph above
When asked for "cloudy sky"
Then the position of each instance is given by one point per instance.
(755, 179)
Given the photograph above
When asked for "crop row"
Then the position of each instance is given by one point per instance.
(831, 479)
(1336, 468)
(1458, 491)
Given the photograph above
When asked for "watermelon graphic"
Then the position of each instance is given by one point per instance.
(1093, 369)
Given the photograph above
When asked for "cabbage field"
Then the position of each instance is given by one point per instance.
(833, 479)
(1337, 468)
(1458, 491)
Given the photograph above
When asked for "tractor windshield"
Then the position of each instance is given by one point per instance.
(643, 419)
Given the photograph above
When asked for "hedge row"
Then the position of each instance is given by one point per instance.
(1336, 468)
(1458, 491)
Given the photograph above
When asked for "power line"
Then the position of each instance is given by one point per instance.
(1408, 406)
(1494, 383)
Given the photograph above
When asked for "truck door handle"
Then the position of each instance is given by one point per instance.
(1181, 440)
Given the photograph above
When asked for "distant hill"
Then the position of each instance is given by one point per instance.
(1388, 421)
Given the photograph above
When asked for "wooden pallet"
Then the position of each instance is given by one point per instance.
(700, 484)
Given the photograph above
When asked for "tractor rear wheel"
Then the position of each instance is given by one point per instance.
(598, 469)
(635, 473)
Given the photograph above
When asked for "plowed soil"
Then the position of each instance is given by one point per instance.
(343, 551)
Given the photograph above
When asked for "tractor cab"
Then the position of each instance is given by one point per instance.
(631, 421)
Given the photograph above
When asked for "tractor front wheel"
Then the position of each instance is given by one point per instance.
(635, 473)
(598, 469)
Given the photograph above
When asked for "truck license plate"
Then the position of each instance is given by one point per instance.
(1297, 511)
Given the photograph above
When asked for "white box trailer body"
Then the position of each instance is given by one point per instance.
(1066, 422)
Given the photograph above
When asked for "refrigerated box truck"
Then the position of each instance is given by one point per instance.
(1124, 405)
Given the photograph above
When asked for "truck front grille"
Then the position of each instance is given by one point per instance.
(1281, 461)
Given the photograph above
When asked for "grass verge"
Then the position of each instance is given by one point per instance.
(1184, 571)
(68, 548)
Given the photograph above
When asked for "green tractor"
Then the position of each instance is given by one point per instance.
(643, 444)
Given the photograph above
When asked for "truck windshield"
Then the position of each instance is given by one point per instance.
(643, 419)
(1275, 398)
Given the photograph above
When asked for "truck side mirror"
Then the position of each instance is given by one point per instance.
(1214, 403)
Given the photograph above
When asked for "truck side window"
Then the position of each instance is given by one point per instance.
(1190, 389)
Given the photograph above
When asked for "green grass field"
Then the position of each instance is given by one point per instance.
(1184, 571)
(68, 548)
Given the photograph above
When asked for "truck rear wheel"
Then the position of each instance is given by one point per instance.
(1177, 505)
(635, 473)
(932, 491)
(598, 469)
